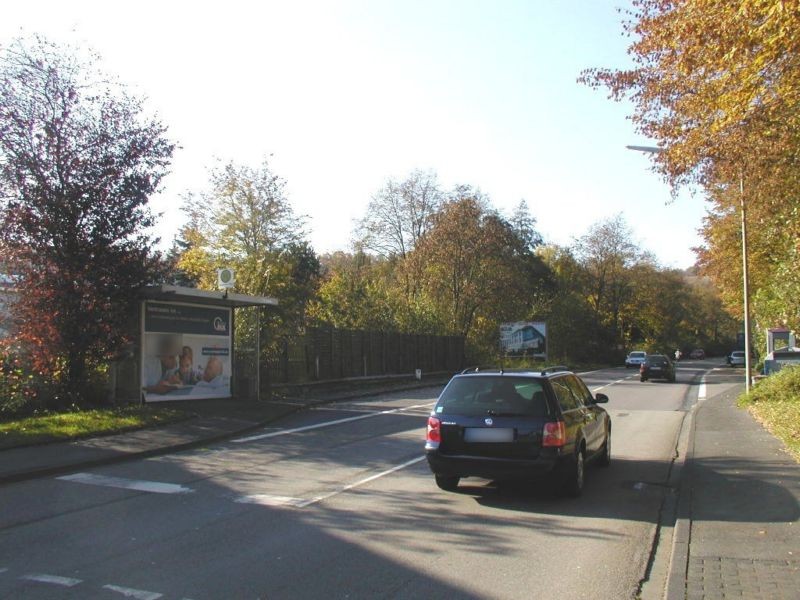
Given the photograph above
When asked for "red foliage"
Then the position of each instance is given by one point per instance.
(78, 161)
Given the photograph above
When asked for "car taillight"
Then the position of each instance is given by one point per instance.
(554, 434)
(434, 435)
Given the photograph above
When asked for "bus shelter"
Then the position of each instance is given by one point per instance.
(187, 346)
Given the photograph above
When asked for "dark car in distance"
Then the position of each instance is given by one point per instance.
(517, 425)
(657, 366)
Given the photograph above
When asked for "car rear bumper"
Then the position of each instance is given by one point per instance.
(658, 375)
(493, 468)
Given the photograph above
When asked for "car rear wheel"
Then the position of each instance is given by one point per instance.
(447, 482)
(573, 486)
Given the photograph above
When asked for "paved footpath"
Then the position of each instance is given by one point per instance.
(744, 508)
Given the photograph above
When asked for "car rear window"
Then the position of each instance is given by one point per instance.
(637, 355)
(657, 360)
(477, 396)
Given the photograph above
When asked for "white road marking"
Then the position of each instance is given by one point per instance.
(341, 409)
(3, 570)
(133, 593)
(597, 389)
(263, 436)
(155, 487)
(53, 579)
(270, 500)
(359, 483)
(702, 390)
(288, 402)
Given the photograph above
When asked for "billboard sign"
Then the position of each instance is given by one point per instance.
(186, 351)
(524, 338)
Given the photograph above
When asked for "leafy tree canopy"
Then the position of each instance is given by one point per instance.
(243, 220)
(79, 159)
(717, 85)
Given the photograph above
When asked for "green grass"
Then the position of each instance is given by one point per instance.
(775, 402)
(58, 427)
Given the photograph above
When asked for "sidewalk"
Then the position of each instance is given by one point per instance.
(216, 420)
(739, 509)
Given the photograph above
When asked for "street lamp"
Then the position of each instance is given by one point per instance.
(656, 150)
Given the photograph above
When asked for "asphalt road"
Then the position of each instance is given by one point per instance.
(338, 502)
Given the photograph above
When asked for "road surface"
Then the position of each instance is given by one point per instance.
(338, 502)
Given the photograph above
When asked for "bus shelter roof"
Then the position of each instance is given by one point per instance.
(176, 293)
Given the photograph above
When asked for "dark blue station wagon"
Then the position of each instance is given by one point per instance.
(517, 425)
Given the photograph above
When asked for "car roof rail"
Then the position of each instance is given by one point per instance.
(479, 369)
(554, 369)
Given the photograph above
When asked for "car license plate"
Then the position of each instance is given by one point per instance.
(655, 368)
(485, 434)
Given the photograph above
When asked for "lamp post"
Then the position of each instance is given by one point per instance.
(745, 282)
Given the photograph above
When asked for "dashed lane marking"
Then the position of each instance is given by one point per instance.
(52, 579)
(155, 487)
(358, 483)
(133, 593)
(288, 402)
(597, 389)
(351, 409)
(271, 434)
(270, 500)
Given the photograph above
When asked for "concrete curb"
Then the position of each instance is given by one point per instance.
(667, 575)
(681, 539)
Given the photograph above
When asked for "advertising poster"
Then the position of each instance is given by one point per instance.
(186, 351)
(524, 338)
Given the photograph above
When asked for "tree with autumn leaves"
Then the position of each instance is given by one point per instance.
(717, 85)
(244, 221)
(444, 262)
(79, 159)
(474, 268)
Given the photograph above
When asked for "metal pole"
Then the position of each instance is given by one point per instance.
(745, 286)
(258, 353)
(655, 150)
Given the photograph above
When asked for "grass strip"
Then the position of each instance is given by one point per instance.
(76, 424)
(775, 402)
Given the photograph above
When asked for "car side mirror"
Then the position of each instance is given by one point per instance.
(600, 399)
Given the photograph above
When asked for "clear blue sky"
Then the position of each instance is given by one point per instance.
(344, 94)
